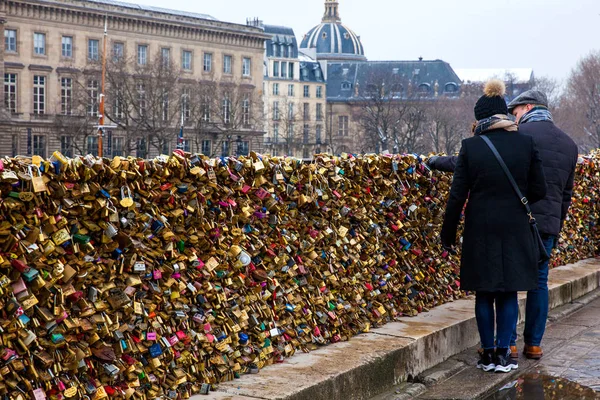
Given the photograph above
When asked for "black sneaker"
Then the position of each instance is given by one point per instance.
(486, 360)
(504, 362)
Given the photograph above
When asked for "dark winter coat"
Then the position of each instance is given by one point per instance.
(498, 250)
(559, 157)
(443, 163)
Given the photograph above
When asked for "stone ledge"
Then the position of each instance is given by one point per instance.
(369, 364)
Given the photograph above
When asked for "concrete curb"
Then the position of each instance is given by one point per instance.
(369, 364)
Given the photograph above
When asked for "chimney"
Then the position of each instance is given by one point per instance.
(255, 22)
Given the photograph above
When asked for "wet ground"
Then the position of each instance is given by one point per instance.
(534, 386)
(569, 369)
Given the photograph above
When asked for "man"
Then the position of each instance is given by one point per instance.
(559, 158)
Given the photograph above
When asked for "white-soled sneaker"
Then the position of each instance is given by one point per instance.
(486, 360)
(504, 362)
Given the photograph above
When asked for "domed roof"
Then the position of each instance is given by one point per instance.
(332, 39)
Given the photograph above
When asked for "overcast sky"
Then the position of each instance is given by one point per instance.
(549, 36)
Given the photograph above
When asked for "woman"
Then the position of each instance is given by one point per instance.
(499, 254)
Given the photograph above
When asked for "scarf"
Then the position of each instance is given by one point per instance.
(498, 121)
(537, 114)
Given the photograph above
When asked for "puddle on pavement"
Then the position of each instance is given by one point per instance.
(544, 387)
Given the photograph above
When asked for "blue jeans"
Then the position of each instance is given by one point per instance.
(507, 313)
(536, 310)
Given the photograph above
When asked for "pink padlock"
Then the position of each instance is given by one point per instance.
(157, 274)
(150, 335)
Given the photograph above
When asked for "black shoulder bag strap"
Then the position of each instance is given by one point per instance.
(543, 254)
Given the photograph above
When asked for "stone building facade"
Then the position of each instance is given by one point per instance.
(294, 97)
(53, 51)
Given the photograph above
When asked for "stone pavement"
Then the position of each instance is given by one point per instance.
(572, 351)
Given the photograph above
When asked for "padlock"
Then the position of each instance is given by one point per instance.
(126, 198)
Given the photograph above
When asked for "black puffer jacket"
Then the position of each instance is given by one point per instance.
(559, 158)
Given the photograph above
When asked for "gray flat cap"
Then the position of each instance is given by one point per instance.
(529, 97)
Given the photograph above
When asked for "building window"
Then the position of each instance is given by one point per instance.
(246, 110)
(306, 111)
(118, 51)
(166, 149)
(226, 110)
(246, 67)
(276, 89)
(451, 87)
(274, 48)
(207, 62)
(227, 64)
(276, 69)
(290, 131)
(291, 70)
(118, 144)
(276, 132)
(93, 50)
(39, 145)
(284, 67)
(346, 86)
(343, 125)
(66, 146)
(319, 112)
(306, 91)
(291, 115)
(118, 102)
(224, 148)
(275, 111)
(243, 148)
(141, 150)
(10, 92)
(39, 94)
(92, 145)
(165, 56)
(165, 106)
(291, 90)
(141, 92)
(142, 54)
(66, 96)
(39, 44)
(92, 90)
(318, 130)
(423, 88)
(67, 46)
(15, 145)
(185, 104)
(206, 147)
(10, 40)
(305, 133)
(186, 60)
(206, 109)
(319, 92)
(305, 153)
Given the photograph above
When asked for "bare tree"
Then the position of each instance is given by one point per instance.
(146, 101)
(236, 112)
(447, 124)
(551, 87)
(381, 109)
(582, 100)
(77, 112)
